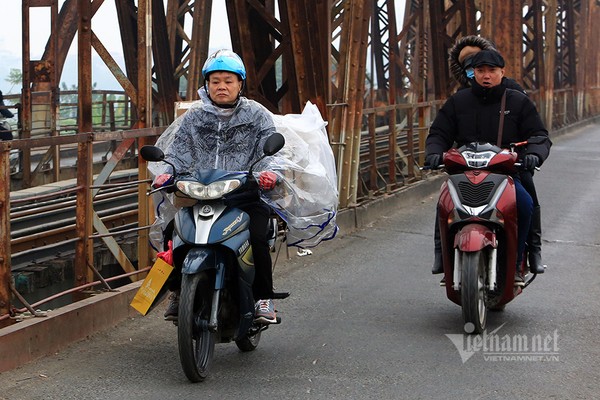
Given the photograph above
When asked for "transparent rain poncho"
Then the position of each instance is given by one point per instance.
(306, 197)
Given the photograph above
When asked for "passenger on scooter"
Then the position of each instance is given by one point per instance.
(227, 132)
(460, 58)
(474, 115)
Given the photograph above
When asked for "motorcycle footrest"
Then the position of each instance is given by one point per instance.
(281, 295)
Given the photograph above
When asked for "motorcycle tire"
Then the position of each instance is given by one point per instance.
(195, 341)
(473, 292)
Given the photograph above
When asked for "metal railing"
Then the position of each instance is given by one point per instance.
(90, 228)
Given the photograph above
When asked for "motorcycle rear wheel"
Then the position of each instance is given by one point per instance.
(472, 290)
(195, 341)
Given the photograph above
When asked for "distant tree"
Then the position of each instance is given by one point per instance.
(15, 77)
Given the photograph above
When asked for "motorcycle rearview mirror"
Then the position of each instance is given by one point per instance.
(155, 154)
(272, 145)
(152, 153)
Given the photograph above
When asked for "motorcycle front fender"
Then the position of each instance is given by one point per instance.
(198, 259)
(474, 237)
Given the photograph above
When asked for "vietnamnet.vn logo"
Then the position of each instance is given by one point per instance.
(496, 347)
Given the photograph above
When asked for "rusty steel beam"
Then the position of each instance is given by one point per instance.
(383, 26)
(187, 53)
(65, 31)
(589, 62)
(5, 250)
(503, 23)
(144, 17)
(412, 53)
(166, 95)
(126, 16)
(310, 43)
(261, 39)
(346, 119)
(84, 247)
(198, 47)
(449, 19)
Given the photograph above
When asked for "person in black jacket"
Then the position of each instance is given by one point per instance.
(473, 116)
(460, 58)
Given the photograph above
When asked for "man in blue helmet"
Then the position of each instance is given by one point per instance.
(226, 130)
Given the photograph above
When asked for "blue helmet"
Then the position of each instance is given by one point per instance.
(224, 60)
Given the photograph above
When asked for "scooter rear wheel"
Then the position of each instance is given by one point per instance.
(473, 291)
(196, 342)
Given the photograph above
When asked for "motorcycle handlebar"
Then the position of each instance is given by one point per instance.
(431, 168)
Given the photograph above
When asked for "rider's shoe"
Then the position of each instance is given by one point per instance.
(264, 312)
(173, 307)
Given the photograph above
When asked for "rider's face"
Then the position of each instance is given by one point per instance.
(224, 87)
(488, 76)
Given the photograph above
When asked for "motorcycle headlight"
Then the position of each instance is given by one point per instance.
(213, 191)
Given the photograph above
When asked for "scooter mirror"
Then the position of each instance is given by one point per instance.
(152, 153)
(274, 143)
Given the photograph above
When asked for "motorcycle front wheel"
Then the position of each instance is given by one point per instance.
(196, 342)
(472, 290)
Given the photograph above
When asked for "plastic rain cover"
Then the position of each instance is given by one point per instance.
(306, 197)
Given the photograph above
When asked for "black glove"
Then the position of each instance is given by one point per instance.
(530, 161)
(433, 160)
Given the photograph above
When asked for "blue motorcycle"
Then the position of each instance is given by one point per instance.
(211, 248)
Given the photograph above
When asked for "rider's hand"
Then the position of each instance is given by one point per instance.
(433, 160)
(530, 161)
(162, 180)
(267, 180)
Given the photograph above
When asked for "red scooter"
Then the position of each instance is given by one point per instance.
(477, 214)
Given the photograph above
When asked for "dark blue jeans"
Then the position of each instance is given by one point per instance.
(524, 212)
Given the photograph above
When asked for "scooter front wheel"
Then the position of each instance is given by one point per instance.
(472, 290)
(196, 342)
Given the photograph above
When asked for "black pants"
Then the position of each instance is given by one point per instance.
(259, 226)
(527, 182)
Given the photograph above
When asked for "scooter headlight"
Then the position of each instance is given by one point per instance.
(478, 159)
(212, 191)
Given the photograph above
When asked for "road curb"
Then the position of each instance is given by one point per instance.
(33, 338)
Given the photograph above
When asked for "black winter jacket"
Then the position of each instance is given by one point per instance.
(474, 116)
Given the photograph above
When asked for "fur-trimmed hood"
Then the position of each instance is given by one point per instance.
(455, 67)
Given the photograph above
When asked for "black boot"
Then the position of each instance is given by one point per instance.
(438, 264)
(534, 243)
